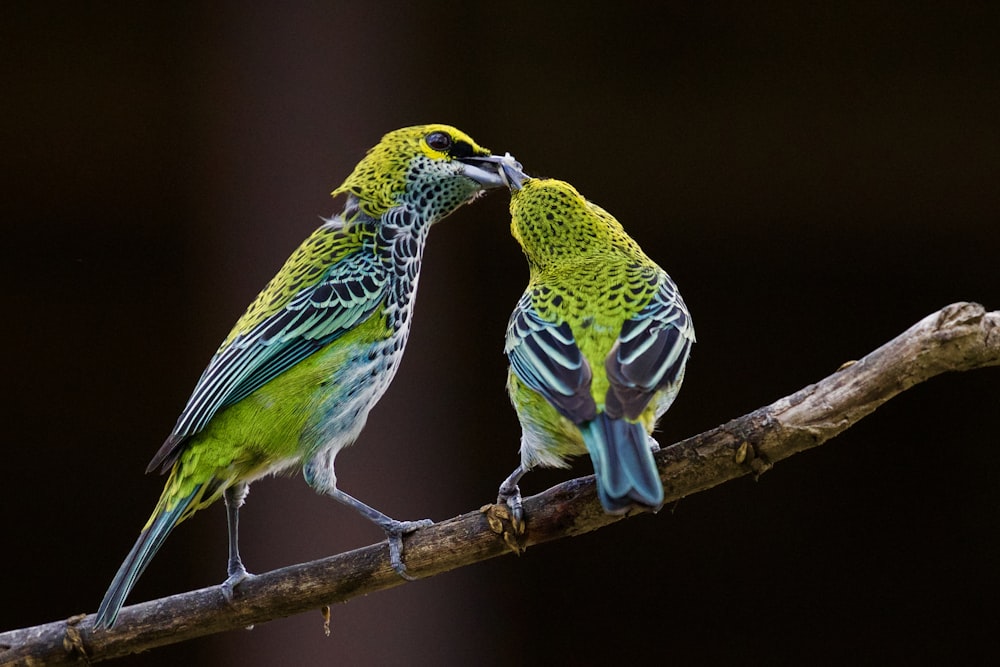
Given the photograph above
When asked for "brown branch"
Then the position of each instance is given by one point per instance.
(959, 337)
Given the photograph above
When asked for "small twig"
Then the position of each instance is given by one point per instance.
(960, 337)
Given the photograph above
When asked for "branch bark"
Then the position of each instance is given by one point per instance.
(960, 337)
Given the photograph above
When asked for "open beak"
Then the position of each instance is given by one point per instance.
(494, 171)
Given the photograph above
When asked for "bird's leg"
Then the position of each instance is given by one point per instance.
(318, 472)
(394, 530)
(234, 497)
(506, 517)
(510, 495)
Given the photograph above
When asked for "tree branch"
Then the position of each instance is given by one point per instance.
(960, 337)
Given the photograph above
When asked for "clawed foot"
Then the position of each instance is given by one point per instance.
(236, 577)
(394, 531)
(510, 495)
(506, 518)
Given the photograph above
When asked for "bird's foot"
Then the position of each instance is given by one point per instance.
(510, 495)
(394, 531)
(506, 518)
(237, 575)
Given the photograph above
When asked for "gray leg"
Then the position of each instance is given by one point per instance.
(394, 530)
(318, 472)
(234, 497)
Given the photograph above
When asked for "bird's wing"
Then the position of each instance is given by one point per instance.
(308, 319)
(545, 357)
(651, 351)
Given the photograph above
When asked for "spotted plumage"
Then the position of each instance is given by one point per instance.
(293, 382)
(597, 345)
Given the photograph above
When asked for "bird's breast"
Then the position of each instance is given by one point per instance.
(354, 384)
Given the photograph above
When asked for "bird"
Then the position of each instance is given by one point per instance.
(293, 382)
(597, 346)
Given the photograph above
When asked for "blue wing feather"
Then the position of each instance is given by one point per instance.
(651, 352)
(349, 291)
(545, 357)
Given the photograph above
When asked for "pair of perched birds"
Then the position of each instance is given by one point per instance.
(597, 346)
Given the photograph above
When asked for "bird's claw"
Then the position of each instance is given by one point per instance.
(510, 495)
(516, 512)
(236, 577)
(394, 532)
(506, 518)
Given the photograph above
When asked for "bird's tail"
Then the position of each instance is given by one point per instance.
(150, 540)
(623, 463)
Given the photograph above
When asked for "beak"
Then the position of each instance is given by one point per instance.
(493, 171)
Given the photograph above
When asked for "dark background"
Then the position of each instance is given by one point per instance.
(816, 179)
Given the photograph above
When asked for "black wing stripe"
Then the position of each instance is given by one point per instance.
(270, 369)
(650, 354)
(226, 369)
(311, 319)
(545, 357)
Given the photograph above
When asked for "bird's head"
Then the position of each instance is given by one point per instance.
(433, 169)
(552, 221)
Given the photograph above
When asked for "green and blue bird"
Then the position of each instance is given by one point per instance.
(295, 379)
(597, 346)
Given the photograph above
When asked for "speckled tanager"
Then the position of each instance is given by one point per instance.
(597, 345)
(295, 379)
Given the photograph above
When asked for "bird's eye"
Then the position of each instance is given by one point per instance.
(439, 141)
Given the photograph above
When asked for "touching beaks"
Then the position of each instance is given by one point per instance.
(495, 170)
(512, 172)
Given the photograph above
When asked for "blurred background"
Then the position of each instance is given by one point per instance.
(815, 178)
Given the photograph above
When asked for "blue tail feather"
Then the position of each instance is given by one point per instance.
(149, 542)
(623, 464)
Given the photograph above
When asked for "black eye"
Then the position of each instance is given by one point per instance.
(439, 141)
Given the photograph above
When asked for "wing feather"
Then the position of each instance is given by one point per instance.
(348, 292)
(545, 357)
(651, 352)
